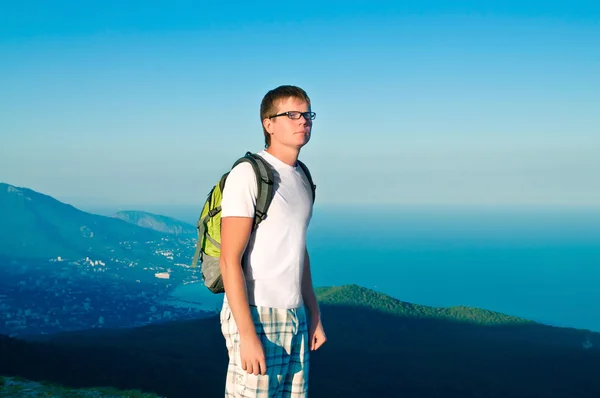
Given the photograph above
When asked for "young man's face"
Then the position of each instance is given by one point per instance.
(289, 132)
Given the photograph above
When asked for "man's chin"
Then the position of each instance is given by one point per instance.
(303, 143)
(302, 138)
(298, 142)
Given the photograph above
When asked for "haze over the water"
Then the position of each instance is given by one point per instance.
(431, 102)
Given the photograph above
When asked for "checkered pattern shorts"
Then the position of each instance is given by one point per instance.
(284, 336)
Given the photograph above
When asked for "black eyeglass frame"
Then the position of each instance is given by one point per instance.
(307, 115)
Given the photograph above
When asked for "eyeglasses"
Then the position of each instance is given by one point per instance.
(295, 115)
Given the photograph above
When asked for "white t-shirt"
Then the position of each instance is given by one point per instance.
(274, 258)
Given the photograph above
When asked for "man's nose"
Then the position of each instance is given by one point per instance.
(305, 119)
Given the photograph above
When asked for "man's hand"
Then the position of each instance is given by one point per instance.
(253, 355)
(316, 334)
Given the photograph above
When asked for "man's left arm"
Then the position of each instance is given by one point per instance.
(316, 334)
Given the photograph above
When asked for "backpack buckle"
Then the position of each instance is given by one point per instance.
(260, 215)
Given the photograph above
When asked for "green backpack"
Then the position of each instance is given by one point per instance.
(208, 247)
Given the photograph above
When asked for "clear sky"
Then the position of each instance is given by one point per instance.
(417, 102)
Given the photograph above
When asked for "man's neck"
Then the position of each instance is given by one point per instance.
(287, 155)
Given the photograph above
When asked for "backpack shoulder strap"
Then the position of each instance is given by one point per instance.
(264, 179)
(310, 180)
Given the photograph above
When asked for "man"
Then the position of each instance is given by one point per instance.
(270, 317)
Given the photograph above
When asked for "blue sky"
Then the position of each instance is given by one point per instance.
(429, 102)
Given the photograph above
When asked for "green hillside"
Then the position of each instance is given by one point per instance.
(361, 297)
(35, 225)
(157, 222)
(377, 347)
(19, 387)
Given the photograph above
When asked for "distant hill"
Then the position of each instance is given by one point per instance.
(360, 297)
(377, 347)
(35, 225)
(157, 222)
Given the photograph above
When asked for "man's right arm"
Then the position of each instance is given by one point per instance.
(235, 232)
(237, 218)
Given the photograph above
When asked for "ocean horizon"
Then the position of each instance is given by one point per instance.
(539, 264)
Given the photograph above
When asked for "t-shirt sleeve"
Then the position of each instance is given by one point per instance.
(239, 193)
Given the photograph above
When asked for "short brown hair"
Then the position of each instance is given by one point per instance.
(268, 106)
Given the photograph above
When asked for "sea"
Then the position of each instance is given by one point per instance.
(537, 263)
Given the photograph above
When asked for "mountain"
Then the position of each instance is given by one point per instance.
(377, 347)
(35, 225)
(157, 222)
(357, 296)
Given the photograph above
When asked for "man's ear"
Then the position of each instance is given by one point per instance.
(267, 125)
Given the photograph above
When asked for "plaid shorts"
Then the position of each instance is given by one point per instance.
(284, 336)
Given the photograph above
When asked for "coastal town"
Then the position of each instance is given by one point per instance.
(65, 295)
